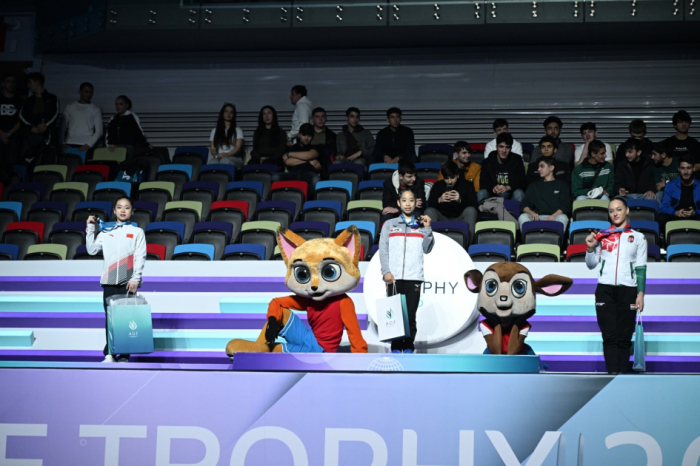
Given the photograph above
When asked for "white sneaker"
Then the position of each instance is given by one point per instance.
(123, 360)
(109, 358)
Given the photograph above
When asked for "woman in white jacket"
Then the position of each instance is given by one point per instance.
(124, 248)
(622, 255)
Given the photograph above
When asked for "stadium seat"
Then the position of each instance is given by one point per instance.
(25, 194)
(9, 212)
(335, 191)
(71, 193)
(202, 151)
(46, 252)
(538, 253)
(382, 171)
(19, 172)
(643, 209)
(264, 233)
(8, 252)
(217, 234)
(104, 154)
(322, 211)
(683, 253)
(542, 232)
(168, 234)
(512, 206)
(144, 213)
(100, 209)
(70, 234)
(495, 232)
(187, 212)
(579, 230)
(351, 172)
(458, 231)
(49, 213)
(428, 170)
(683, 232)
(155, 252)
(310, 230)
(576, 253)
(244, 252)
(370, 190)
(277, 254)
(653, 253)
(23, 234)
(489, 252)
(72, 158)
(435, 153)
(193, 158)
(219, 173)
(82, 254)
(281, 212)
(261, 173)
(373, 251)
(193, 252)
(650, 230)
(50, 175)
(175, 173)
(527, 150)
(366, 229)
(92, 175)
(160, 192)
(233, 212)
(590, 209)
(250, 192)
(200, 191)
(110, 191)
(365, 211)
(293, 191)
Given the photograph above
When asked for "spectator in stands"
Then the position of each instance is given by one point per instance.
(355, 143)
(589, 133)
(39, 113)
(10, 105)
(226, 140)
(396, 142)
(269, 140)
(82, 126)
(324, 138)
(681, 143)
(548, 200)
(548, 147)
(638, 130)
(124, 129)
(302, 160)
(634, 177)
(594, 172)
(453, 198)
(302, 110)
(471, 170)
(500, 125)
(404, 178)
(564, 153)
(681, 199)
(665, 168)
(503, 172)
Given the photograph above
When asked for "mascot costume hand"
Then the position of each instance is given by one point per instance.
(506, 300)
(319, 272)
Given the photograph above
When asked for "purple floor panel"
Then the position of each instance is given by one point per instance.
(652, 324)
(592, 363)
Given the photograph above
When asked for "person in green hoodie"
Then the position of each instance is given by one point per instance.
(547, 200)
(592, 173)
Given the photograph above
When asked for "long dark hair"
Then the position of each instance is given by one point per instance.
(275, 129)
(223, 137)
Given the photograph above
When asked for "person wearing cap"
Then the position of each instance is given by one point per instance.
(302, 160)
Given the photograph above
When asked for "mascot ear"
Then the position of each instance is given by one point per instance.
(473, 280)
(288, 241)
(553, 285)
(350, 239)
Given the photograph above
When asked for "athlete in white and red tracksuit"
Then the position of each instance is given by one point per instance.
(622, 255)
(124, 248)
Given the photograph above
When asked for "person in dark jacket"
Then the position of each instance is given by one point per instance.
(503, 172)
(453, 198)
(38, 114)
(548, 147)
(549, 199)
(638, 130)
(404, 178)
(124, 129)
(396, 142)
(634, 177)
(269, 140)
(681, 196)
(324, 139)
(355, 143)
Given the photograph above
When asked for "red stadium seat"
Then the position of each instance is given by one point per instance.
(36, 227)
(155, 250)
(236, 205)
(576, 252)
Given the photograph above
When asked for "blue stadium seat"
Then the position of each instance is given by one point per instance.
(367, 233)
(168, 234)
(110, 191)
(244, 251)
(276, 211)
(683, 253)
(370, 190)
(428, 170)
(351, 172)
(246, 191)
(542, 232)
(310, 230)
(75, 151)
(102, 209)
(439, 153)
(322, 211)
(145, 212)
(9, 212)
(335, 190)
(649, 229)
(175, 168)
(653, 253)
(193, 252)
(512, 206)
(21, 171)
(373, 250)
(218, 234)
(82, 254)
(8, 252)
(219, 173)
(260, 172)
(643, 209)
(201, 150)
(458, 231)
(382, 171)
(489, 252)
(579, 230)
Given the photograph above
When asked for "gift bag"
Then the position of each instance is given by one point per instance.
(639, 362)
(129, 325)
(392, 317)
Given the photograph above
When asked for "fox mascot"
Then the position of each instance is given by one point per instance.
(319, 272)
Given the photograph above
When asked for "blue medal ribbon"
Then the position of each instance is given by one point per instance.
(109, 226)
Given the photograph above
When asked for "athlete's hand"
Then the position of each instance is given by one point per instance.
(389, 278)
(91, 220)
(640, 302)
(591, 241)
(132, 287)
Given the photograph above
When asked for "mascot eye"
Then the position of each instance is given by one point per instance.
(331, 272)
(519, 287)
(491, 287)
(302, 274)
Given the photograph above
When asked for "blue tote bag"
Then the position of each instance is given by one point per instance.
(129, 325)
(639, 360)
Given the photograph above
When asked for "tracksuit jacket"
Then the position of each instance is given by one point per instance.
(125, 130)
(401, 249)
(622, 258)
(124, 250)
(583, 175)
